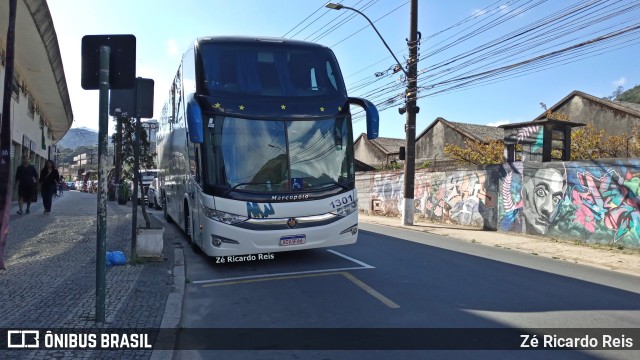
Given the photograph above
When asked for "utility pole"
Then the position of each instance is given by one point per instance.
(410, 105)
(412, 110)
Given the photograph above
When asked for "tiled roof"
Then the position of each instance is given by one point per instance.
(389, 145)
(481, 132)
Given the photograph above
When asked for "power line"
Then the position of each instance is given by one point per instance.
(303, 20)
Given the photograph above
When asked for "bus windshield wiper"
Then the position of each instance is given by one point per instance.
(241, 184)
(342, 185)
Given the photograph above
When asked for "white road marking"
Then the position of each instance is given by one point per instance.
(352, 259)
(278, 274)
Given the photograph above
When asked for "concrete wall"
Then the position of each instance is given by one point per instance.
(464, 197)
(592, 202)
(615, 122)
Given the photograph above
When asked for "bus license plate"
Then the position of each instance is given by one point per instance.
(293, 240)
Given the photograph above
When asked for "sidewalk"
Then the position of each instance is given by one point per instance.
(50, 276)
(604, 257)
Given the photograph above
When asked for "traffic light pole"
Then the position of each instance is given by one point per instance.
(410, 129)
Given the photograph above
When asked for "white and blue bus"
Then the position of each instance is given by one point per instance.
(256, 147)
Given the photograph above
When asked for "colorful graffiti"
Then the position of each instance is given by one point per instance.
(531, 140)
(463, 197)
(583, 201)
(609, 201)
(594, 202)
(535, 203)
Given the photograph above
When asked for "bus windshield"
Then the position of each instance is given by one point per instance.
(269, 70)
(280, 156)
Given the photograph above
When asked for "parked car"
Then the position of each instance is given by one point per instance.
(71, 185)
(147, 177)
(153, 195)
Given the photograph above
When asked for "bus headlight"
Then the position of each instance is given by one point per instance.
(347, 209)
(221, 216)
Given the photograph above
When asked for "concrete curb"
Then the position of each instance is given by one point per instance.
(173, 308)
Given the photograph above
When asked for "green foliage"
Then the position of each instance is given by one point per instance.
(590, 143)
(124, 191)
(615, 94)
(476, 153)
(425, 165)
(128, 143)
(631, 95)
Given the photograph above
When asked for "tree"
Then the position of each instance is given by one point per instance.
(145, 160)
(590, 143)
(615, 94)
(128, 142)
(477, 153)
(587, 143)
(632, 95)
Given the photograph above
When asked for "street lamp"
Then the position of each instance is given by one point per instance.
(340, 7)
(410, 107)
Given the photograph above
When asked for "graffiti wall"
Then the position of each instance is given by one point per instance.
(460, 197)
(594, 202)
(531, 140)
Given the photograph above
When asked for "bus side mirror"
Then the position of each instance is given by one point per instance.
(194, 121)
(373, 119)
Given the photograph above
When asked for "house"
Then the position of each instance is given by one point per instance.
(380, 152)
(615, 117)
(40, 106)
(431, 141)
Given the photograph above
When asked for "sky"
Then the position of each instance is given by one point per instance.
(164, 29)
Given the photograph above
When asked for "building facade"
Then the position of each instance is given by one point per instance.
(615, 117)
(380, 152)
(40, 107)
(431, 141)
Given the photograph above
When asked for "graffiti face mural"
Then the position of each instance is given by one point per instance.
(543, 193)
(595, 202)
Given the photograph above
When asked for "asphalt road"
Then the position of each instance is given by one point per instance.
(385, 281)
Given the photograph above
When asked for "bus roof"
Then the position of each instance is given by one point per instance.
(254, 39)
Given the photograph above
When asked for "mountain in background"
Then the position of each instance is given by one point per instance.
(77, 137)
(632, 95)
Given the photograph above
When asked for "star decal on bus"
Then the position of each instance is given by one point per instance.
(339, 108)
(241, 107)
(322, 108)
(217, 105)
(283, 107)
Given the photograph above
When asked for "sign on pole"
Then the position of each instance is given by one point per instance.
(108, 61)
(122, 61)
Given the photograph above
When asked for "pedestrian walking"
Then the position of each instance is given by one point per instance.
(26, 180)
(49, 178)
(60, 186)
